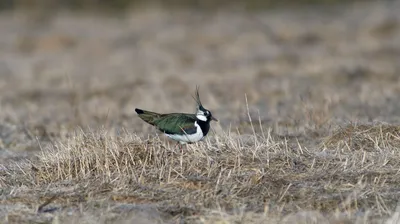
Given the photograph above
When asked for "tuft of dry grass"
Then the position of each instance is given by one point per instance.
(365, 137)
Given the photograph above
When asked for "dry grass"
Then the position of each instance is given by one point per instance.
(308, 110)
(229, 177)
(366, 137)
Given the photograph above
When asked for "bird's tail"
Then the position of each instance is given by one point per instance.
(148, 116)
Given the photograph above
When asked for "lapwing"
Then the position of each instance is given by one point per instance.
(181, 127)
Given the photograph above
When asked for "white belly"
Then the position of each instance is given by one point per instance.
(188, 137)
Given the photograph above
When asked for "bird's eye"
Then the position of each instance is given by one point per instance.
(207, 112)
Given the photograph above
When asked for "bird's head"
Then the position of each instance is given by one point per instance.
(202, 113)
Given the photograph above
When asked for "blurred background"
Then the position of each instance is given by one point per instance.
(124, 4)
(301, 65)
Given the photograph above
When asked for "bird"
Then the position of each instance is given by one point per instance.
(184, 128)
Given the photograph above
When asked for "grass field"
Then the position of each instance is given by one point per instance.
(308, 103)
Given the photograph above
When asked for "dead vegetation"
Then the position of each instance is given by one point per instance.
(366, 137)
(264, 176)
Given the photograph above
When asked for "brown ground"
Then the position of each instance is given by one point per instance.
(308, 103)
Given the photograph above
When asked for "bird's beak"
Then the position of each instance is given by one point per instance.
(214, 119)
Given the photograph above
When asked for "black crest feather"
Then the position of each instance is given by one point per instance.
(197, 98)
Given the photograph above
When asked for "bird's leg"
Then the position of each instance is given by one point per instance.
(181, 147)
(178, 145)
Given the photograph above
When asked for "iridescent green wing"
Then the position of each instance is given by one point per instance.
(176, 123)
(148, 116)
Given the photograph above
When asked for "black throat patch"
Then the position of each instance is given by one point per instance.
(204, 125)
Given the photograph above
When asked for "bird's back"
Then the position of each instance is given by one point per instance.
(172, 123)
(148, 116)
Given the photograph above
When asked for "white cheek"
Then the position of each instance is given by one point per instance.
(201, 117)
